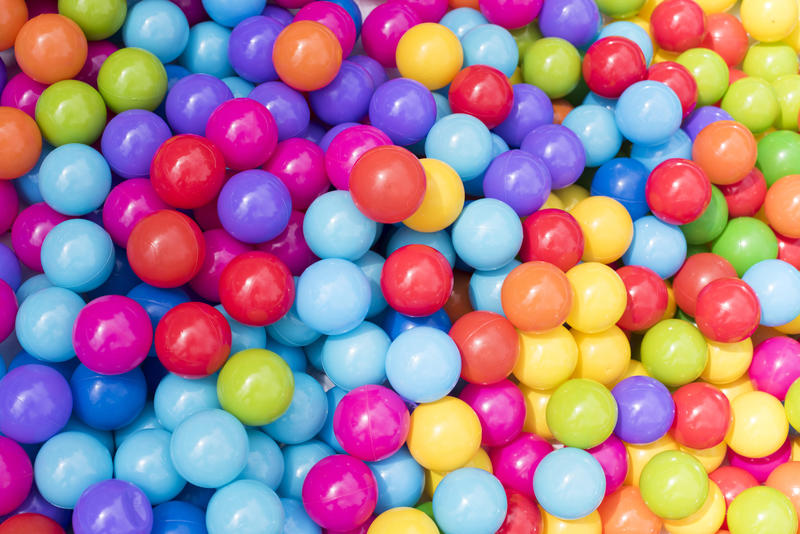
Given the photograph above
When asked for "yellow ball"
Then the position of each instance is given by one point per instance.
(591, 524)
(706, 520)
(403, 521)
(546, 360)
(791, 328)
(444, 434)
(598, 297)
(635, 368)
(660, 55)
(793, 39)
(647, 9)
(607, 228)
(727, 361)
(516, 77)
(639, 455)
(740, 386)
(431, 54)
(796, 449)
(603, 356)
(759, 424)
(716, 6)
(571, 195)
(711, 458)
(552, 202)
(672, 306)
(769, 20)
(479, 461)
(443, 200)
(536, 411)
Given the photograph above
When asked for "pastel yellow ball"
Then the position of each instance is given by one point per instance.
(768, 20)
(591, 524)
(727, 361)
(706, 520)
(759, 424)
(444, 434)
(711, 458)
(431, 54)
(443, 200)
(599, 297)
(603, 356)
(607, 228)
(403, 521)
(547, 359)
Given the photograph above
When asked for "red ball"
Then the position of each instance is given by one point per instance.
(30, 524)
(554, 236)
(789, 250)
(489, 346)
(244, 131)
(522, 516)
(727, 310)
(727, 37)
(702, 415)
(697, 272)
(193, 340)
(678, 25)
(647, 298)
(612, 64)
(300, 165)
(166, 249)
(745, 197)
(483, 92)
(679, 79)
(416, 280)
(187, 171)
(678, 191)
(256, 288)
(221, 248)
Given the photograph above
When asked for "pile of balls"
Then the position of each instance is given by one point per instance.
(411, 267)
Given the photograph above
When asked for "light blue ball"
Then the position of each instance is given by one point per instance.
(265, 460)
(423, 364)
(294, 357)
(32, 285)
(777, 286)
(487, 235)
(306, 413)
(74, 179)
(145, 421)
(648, 113)
(297, 520)
(485, 288)
(207, 50)
(67, 464)
(593, 99)
(239, 87)
(144, 460)
(656, 245)
(44, 323)
(314, 353)
(333, 296)
(679, 145)
(469, 501)
(634, 32)
(371, 264)
(158, 26)
(334, 396)
(27, 185)
(298, 461)
(493, 45)
(78, 255)
(177, 399)
(569, 483)
(209, 449)
(474, 187)
(231, 12)
(461, 141)
(243, 336)
(596, 128)
(461, 20)
(245, 507)
(291, 330)
(103, 436)
(400, 480)
(334, 228)
(356, 358)
(438, 240)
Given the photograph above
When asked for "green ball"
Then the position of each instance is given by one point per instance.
(792, 404)
(70, 111)
(255, 385)
(132, 78)
(778, 155)
(581, 413)
(745, 242)
(619, 9)
(674, 485)
(674, 352)
(752, 102)
(770, 60)
(525, 37)
(787, 91)
(691, 250)
(711, 222)
(99, 19)
(762, 510)
(709, 70)
(553, 65)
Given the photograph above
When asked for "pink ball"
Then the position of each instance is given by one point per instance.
(16, 475)
(383, 28)
(371, 422)
(345, 149)
(775, 366)
(340, 493)
(500, 408)
(112, 335)
(510, 14)
(9, 205)
(290, 245)
(613, 459)
(291, 4)
(427, 10)
(8, 311)
(221, 248)
(245, 132)
(760, 468)
(29, 230)
(360, 529)
(23, 93)
(335, 18)
(97, 54)
(300, 165)
(127, 204)
(40, 7)
(514, 464)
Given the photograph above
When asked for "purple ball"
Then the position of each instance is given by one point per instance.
(375, 69)
(560, 149)
(576, 21)
(10, 271)
(645, 409)
(519, 179)
(3, 76)
(34, 503)
(288, 108)
(346, 98)
(191, 101)
(314, 133)
(35, 403)
(403, 109)
(325, 142)
(531, 108)
(278, 13)
(112, 506)
(702, 117)
(250, 48)
(130, 141)
(254, 206)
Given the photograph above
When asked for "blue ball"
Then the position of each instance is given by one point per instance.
(157, 302)
(624, 180)
(597, 130)
(66, 368)
(244, 336)
(298, 461)
(239, 87)
(423, 364)
(144, 460)
(461, 141)
(493, 45)
(27, 185)
(196, 496)
(488, 234)
(569, 483)
(232, 12)
(679, 145)
(469, 501)
(656, 245)
(107, 402)
(485, 288)
(593, 99)
(291, 330)
(306, 413)
(371, 264)
(462, 20)
(265, 460)
(245, 507)
(145, 421)
(314, 353)
(356, 358)
(207, 50)
(78, 254)
(297, 520)
(334, 228)
(648, 113)
(177, 399)
(44, 323)
(333, 296)
(777, 286)
(75, 179)
(334, 396)
(30, 286)
(440, 241)
(103, 436)
(400, 480)
(395, 323)
(634, 32)
(177, 517)
(158, 26)
(121, 280)
(294, 357)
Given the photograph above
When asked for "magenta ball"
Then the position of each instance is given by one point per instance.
(613, 458)
(760, 468)
(335, 18)
(300, 165)
(127, 204)
(22, 92)
(383, 28)
(17, 475)
(221, 248)
(427, 10)
(112, 335)
(97, 53)
(347, 147)
(340, 492)
(775, 366)
(8, 310)
(500, 408)
(363, 528)
(29, 230)
(290, 245)
(371, 423)
(510, 14)
(514, 463)
(9, 205)
(244, 131)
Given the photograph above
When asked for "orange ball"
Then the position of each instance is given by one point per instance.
(20, 143)
(726, 151)
(536, 296)
(561, 109)
(455, 4)
(786, 479)
(782, 206)
(624, 512)
(306, 55)
(50, 48)
(13, 14)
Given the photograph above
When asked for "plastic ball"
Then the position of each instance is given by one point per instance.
(171, 516)
(713, 310)
(469, 500)
(484, 289)
(159, 28)
(488, 344)
(246, 506)
(423, 364)
(371, 423)
(674, 485)
(646, 410)
(698, 271)
(107, 402)
(519, 179)
(637, 107)
(489, 45)
(221, 249)
(761, 508)
(416, 280)
(250, 48)
(306, 55)
(768, 22)
(346, 147)
(346, 98)
(132, 78)
(530, 109)
(15, 13)
(595, 126)
(604, 356)
(657, 246)
(726, 36)
(30, 522)
(52, 310)
(773, 281)
(244, 131)
(50, 48)
(487, 234)
(36, 403)
(500, 408)
(430, 54)
(779, 205)
(674, 352)
(286, 105)
(333, 296)
(192, 100)
(177, 398)
(443, 199)
(74, 179)
(761, 467)
(483, 92)
(207, 49)
(130, 142)
(299, 164)
(304, 417)
(335, 18)
(553, 65)
(599, 297)
(678, 25)
(21, 143)
(383, 28)
(759, 425)
(604, 61)
(21, 92)
(647, 298)
(709, 71)
(144, 459)
(461, 141)
(81, 113)
(340, 492)
(193, 340)
(745, 242)
(581, 413)
(404, 109)
(625, 511)
(395, 519)
(553, 236)
(702, 416)
(679, 79)
(774, 367)
(536, 297)
(569, 483)
(444, 434)
(77, 255)
(738, 101)
(253, 221)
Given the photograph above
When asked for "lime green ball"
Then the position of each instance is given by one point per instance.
(525, 37)
(792, 404)
(132, 78)
(770, 60)
(619, 9)
(711, 222)
(70, 111)
(674, 485)
(99, 19)
(581, 413)
(787, 91)
(553, 65)
(674, 352)
(709, 71)
(255, 385)
(762, 510)
(744, 242)
(752, 102)
(778, 155)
